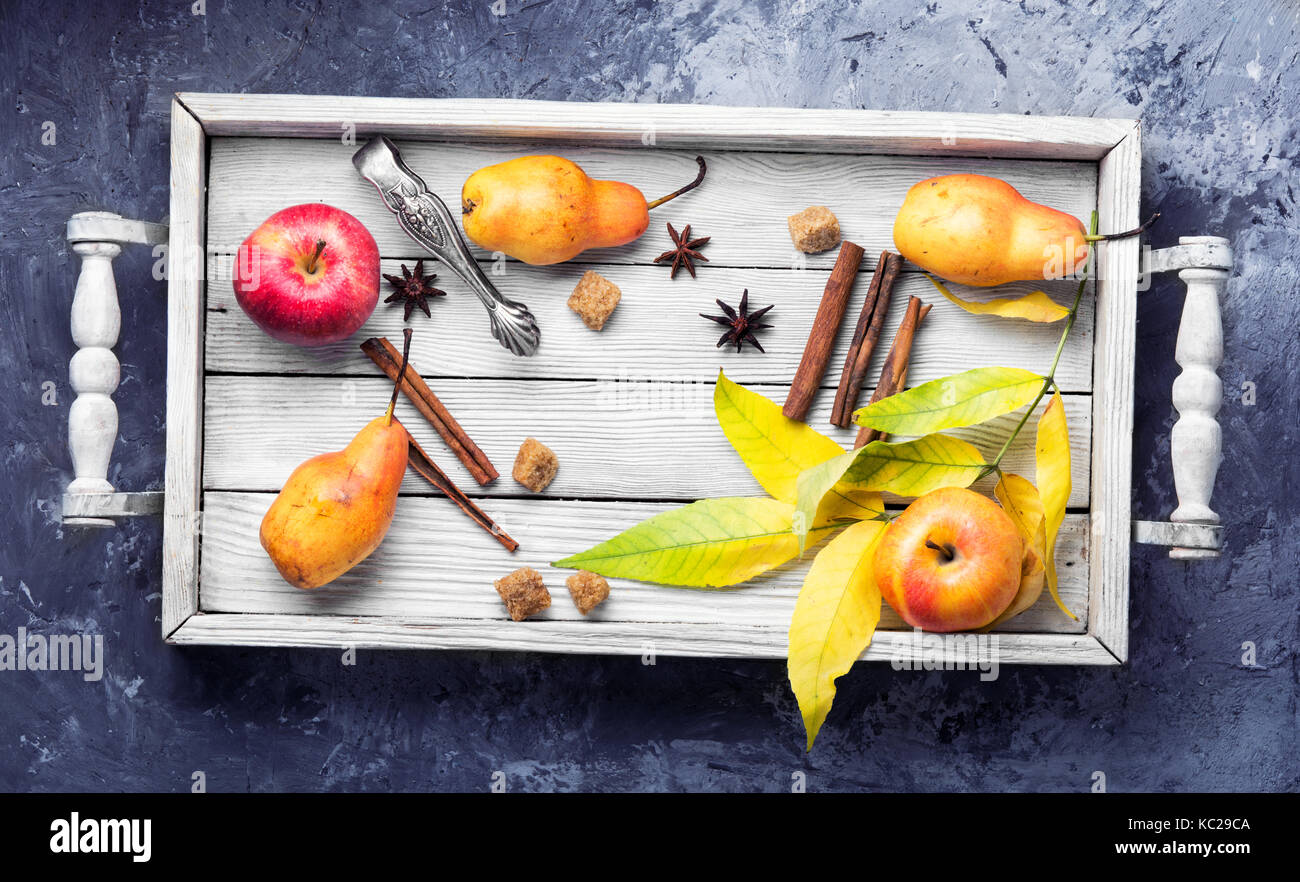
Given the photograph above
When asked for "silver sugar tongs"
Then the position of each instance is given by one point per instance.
(425, 219)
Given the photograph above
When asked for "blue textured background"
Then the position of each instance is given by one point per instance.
(1216, 88)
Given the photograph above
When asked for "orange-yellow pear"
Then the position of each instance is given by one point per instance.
(977, 230)
(337, 507)
(545, 209)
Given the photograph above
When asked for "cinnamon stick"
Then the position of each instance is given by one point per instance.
(384, 354)
(865, 337)
(428, 469)
(894, 373)
(821, 339)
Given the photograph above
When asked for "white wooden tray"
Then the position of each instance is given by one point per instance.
(629, 410)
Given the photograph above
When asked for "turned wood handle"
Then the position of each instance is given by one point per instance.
(94, 373)
(1196, 443)
(97, 237)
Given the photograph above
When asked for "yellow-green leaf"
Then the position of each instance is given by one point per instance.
(1053, 465)
(1034, 307)
(707, 544)
(842, 504)
(834, 619)
(914, 468)
(906, 468)
(1020, 500)
(959, 400)
(774, 447)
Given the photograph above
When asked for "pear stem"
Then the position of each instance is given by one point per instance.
(401, 374)
(1136, 231)
(699, 179)
(320, 248)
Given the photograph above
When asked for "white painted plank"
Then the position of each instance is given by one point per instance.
(435, 563)
(1112, 453)
(743, 203)
(614, 638)
(662, 125)
(185, 314)
(614, 440)
(656, 331)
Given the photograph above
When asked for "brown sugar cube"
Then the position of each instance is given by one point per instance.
(524, 593)
(587, 589)
(814, 229)
(536, 465)
(594, 299)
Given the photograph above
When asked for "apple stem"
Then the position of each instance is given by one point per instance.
(943, 549)
(1136, 231)
(320, 248)
(699, 179)
(401, 375)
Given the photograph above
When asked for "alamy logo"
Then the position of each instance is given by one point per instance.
(53, 652)
(947, 652)
(77, 835)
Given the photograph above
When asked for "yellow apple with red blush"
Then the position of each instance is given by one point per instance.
(951, 562)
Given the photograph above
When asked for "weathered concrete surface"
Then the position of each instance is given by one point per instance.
(1216, 87)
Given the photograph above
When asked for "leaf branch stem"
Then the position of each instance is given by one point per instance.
(1050, 379)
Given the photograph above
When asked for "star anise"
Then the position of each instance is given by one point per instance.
(413, 289)
(740, 323)
(684, 251)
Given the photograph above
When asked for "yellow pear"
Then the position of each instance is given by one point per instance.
(336, 508)
(977, 230)
(545, 209)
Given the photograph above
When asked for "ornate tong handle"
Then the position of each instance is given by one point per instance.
(425, 218)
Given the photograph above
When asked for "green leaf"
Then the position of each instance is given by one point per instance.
(834, 620)
(1035, 306)
(905, 468)
(712, 543)
(775, 448)
(963, 399)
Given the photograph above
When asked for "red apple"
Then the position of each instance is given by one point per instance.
(309, 275)
(950, 562)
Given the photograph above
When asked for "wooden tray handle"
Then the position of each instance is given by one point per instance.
(1204, 263)
(94, 372)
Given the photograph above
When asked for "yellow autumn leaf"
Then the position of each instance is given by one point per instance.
(1053, 466)
(774, 447)
(834, 619)
(1034, 307)
(1020, 500)
(1022, 503)
(1031, 588)
(712, 543)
